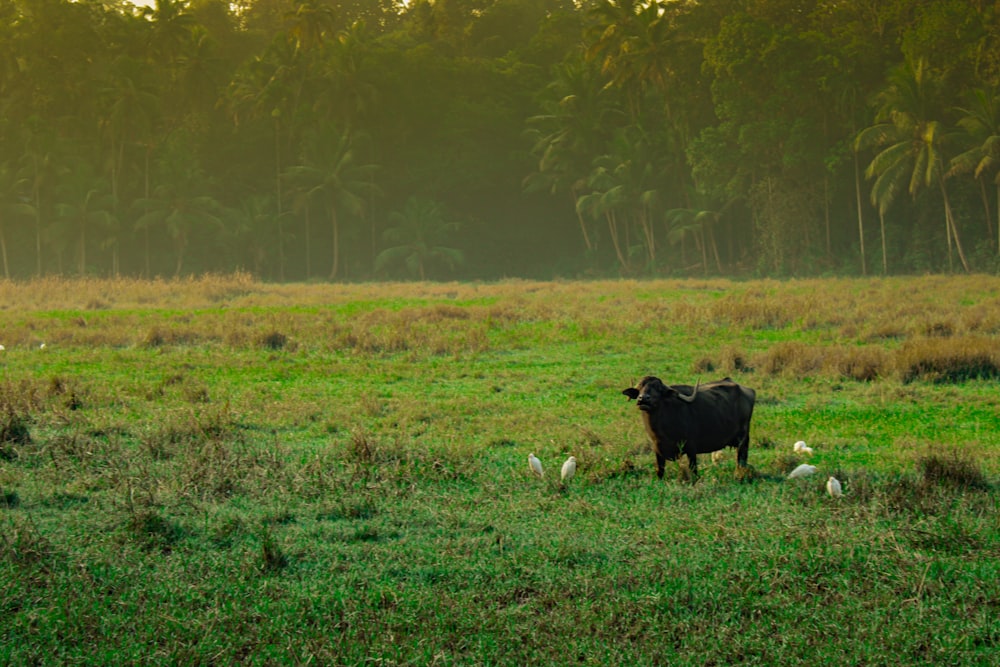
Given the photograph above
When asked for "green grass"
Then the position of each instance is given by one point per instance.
(338, 475)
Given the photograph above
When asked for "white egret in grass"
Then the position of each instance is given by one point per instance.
(803, 470)
(568, 469)
(2, 348)
(801, 447)
(536, 465)
(833, 487)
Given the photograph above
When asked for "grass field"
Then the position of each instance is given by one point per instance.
(218, 471)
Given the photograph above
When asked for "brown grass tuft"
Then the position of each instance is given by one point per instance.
(273, 340)
(954, 359)
(953, 469)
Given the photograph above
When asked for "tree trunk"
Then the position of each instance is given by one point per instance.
(826, 214)
(83, 246)
(613, 228)
(145, 230)
(277, 186)
(885, 261)
(3, 251)
(700, 239)
(950, 223)
(647, 232)
(986, 207)
(861, 225)
(180, 259)
(308, 245)
(715, 248)
(583, 224)
(336, 243)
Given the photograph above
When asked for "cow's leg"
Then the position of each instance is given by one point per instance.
(660, 461)
(693, 464)
(743, 449)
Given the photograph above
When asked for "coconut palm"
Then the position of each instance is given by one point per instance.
(85, 205)
(333, 175)
(420, 231)
(699, 224)
(910, 146)
(14, 204)
(980, 124)
(566, 137)
(178, 212)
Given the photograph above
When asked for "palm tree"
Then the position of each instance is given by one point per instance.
(132, 107)
(84, 203)
(310, 23)
(13, 204)
(625, 187)
(566, 137)
(178, 212)
(910, 147)
(980, 123)
(269, 87)
(331, 174)
(420, 230)
(699, 224)
(252, 225)
(38, 169)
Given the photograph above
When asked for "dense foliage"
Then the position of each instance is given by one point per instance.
(359, 139)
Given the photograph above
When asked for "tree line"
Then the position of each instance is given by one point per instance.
(480, 139)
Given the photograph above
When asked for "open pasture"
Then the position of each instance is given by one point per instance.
(219, 471)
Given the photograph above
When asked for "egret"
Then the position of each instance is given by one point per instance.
(536, 465)
(803, 470)
(801, 447)
(569, 469)
(2, 348)
(833, 487)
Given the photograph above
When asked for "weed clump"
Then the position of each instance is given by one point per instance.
(273, 340)
(153, 532)
(949, 360)
(272, 558)
(953, 470)
(23, 545)
(13, 431)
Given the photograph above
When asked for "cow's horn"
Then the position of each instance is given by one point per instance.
(694, 393)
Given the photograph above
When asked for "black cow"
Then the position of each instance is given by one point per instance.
(681, 419)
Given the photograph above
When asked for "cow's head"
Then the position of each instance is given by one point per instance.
(650, 393)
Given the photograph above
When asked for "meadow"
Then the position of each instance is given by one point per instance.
(219, 471)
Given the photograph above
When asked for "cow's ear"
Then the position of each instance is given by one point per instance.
(632, 393)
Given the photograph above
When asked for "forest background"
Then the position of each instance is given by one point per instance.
(481, 139)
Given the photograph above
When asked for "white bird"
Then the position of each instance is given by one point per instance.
(42, 346)
(801, 447)
(803, 470)
(536, 465)
(833, 487)
(569, 469)
(2, 348)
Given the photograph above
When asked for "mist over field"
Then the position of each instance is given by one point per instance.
(307, 140)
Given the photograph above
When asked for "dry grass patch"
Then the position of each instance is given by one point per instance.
(953, 469)
(939, 360)
(949, 360)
